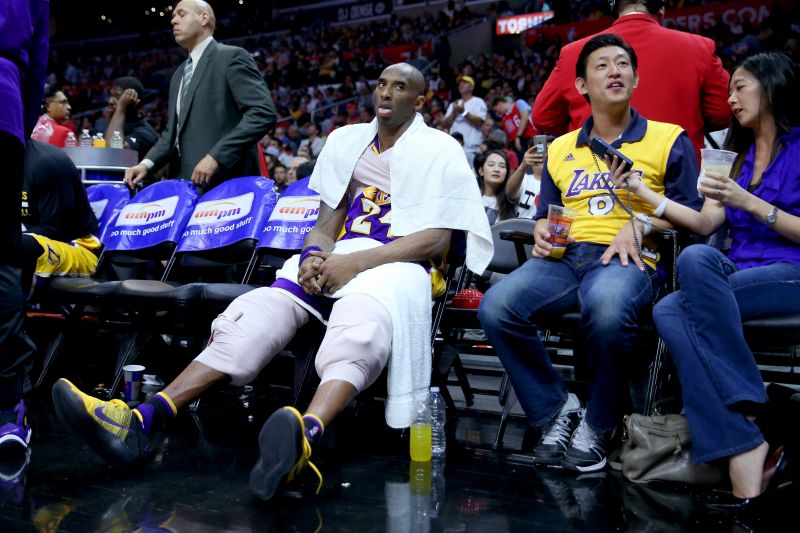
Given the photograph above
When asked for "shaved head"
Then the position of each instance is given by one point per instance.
(201, 6)
(412, 74)
(398, 95)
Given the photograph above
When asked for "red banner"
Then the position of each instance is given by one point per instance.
(689, 18)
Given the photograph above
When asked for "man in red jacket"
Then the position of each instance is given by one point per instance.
(681, 80)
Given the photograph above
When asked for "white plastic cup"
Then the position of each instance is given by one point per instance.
(133, 381)
(716, 161)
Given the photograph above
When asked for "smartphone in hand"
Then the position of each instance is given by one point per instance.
(540, 142)
(602, 149)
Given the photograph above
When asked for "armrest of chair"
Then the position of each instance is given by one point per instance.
(520, 239)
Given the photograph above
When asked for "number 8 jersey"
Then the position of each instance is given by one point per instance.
(663, 157)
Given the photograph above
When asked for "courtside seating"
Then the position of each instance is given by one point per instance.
(280, 237)
(142, 237)
(220, 236)
(222, 232)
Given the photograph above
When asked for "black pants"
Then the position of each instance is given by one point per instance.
(16, 349)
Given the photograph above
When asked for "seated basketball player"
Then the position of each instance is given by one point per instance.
(366, 270)
(59, 238)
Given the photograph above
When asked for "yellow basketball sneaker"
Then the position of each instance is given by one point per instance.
(285, 452)
(112, 429)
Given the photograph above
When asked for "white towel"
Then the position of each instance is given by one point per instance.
(405, 290)
(432, 184)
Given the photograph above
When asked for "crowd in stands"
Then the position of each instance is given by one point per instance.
(323, 75)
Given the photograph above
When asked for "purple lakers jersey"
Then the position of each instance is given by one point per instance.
(369, 214)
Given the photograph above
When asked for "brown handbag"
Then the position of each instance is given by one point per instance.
(658, 448)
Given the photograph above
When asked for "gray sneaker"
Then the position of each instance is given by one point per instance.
(587, 449)
(556, 437)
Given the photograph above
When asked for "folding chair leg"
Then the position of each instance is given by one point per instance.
(73, 317)
(511, 401)
(654, 383)
(440, 380)
(53, 349)
(505, 387)
(303, 369)
(461, 375)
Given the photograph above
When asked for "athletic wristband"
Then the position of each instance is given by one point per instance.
(306, 253)
(658, 211)
(647, 226)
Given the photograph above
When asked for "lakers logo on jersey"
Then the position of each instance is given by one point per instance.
(591, 181)
(378, 196)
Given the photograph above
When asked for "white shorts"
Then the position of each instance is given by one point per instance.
(260, 323)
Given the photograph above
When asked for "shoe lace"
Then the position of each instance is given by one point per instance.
(558, 431)
(306, 460)
(584, 437)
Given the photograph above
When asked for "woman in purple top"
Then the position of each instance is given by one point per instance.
(701, 323)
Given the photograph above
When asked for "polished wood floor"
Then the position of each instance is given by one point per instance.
(197, 479)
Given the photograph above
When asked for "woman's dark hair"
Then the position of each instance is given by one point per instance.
(780, 86)
(507, 208)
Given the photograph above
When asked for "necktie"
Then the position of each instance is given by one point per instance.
(187, 77)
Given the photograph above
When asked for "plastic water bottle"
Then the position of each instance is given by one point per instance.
(438, 411)
(437, 485)
(99, 141)
(85, 139)
(116, 140)
(420, 441)
(419, 479)
(71, 141)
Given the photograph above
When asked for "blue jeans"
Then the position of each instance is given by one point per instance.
(611, 299)
(701, 325)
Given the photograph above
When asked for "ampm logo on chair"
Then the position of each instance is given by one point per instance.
(222, 210)
(143, 214)
(296, 209)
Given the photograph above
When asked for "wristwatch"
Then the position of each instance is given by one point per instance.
(465, 113)
(772, 216)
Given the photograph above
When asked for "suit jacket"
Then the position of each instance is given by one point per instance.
(227, 111)
(681, 81)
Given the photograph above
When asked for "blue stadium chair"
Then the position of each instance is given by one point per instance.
(143, 235)
(107, 200)
(282, 236)
(221, 235)
(222, 231)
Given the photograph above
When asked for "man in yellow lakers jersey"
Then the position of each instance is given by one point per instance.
(60, 229)
(601, 273)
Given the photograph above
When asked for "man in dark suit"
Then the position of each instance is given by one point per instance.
(219, 107)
